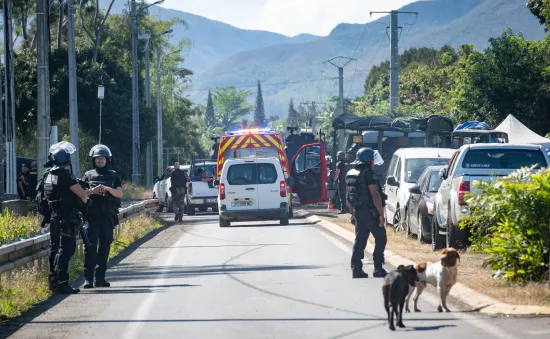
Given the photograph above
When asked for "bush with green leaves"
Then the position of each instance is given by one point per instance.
(13, 226)
(510, 222)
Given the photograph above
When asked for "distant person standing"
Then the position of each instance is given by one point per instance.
(340, 174)
(32, 177)
(179, 190)
(23, 182)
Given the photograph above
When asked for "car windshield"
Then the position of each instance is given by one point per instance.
(435, 182)
(414, 167)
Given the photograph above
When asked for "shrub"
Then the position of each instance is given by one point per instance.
(510, 222)
(13, 226)
(133, 192)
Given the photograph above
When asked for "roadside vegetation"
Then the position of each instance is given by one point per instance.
(14, 227)
(28, 286)
(133, 192)
(510, 222)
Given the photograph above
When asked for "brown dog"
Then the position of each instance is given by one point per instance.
(443, 275)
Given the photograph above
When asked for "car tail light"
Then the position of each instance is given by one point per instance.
(190, 188)
(170, 180)
(222, 191)
(463, 189)
(283, 189)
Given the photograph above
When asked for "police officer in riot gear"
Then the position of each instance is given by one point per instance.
(340, 174)
(105, 192)
(365, 199)
(64, 196)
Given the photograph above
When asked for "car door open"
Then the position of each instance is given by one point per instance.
(309, 170)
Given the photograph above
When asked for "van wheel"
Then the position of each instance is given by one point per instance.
(224, 223)
(437, 240)
(284, 221)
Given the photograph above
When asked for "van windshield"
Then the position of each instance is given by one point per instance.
(414, 167)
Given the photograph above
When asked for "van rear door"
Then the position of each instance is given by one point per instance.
(242, 186)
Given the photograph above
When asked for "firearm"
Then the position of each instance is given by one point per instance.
(84, 235)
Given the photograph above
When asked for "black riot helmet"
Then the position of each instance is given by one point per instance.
(341, 155)
(60, 154)
(100, 150)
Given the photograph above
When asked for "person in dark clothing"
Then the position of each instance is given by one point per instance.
(23, 182)
(64, 196)
(32, 178)
(178, 189)
(105, 192)
(366, 202)
(341, 171)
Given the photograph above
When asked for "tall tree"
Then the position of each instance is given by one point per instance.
(210, 116)
(259, 112)
(230, 105)
(97, 22)
(292, 119)
(60, 23)
(541, 9)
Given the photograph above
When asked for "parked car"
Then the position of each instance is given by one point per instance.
(201, 192)
(161, 190)
(253, 189)
(469, 164)
(420, 208)
(403, 172)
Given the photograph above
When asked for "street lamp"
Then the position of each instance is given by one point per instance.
(100, 96)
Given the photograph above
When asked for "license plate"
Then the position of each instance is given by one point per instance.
(245, 203)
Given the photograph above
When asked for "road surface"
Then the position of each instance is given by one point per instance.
(196, 280)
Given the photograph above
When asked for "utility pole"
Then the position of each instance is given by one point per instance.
(43, 83)
(73, 101)
(11, 164)
(147, 38)
(2, 182)
(394, 58)
(149, 167)
(340, 65)
(160, 146)
(136, 176)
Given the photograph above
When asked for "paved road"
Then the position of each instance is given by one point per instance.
(196, 280)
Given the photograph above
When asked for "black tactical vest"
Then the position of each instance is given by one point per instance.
(100, 202)
(357, 191)
(61, 199)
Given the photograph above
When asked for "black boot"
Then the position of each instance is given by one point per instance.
(52, 282)
(102, 283)
(65, 288)
(358, 274)
(379, 272)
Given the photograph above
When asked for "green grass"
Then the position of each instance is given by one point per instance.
(133, 192)
(13, 226)
(27, 287)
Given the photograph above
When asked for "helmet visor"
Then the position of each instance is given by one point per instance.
(66, 146)
(378, 159)
(102, 148)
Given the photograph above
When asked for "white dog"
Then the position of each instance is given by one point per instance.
(443, 275)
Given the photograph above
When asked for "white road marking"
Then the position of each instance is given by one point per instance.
(132, 329)
(432, 299)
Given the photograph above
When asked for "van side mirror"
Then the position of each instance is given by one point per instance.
(392, 181)
(216, 182)
(290, 182)
(443, 173)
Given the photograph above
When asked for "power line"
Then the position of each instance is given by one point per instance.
(368, 65)
(268, 84)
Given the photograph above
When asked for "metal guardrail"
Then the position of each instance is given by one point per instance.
(24, 252)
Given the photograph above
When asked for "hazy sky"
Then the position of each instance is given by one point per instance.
(289, 17)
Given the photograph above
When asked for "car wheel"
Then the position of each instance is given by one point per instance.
(420, 234)
(455, 236)
(437, 240)
(169, 207)
(161, 207)
(284, 221)
(224, 223)
(397, 225)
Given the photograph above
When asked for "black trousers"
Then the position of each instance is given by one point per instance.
(100, 233)
(366, 222)
(62, 248)
(342, 196)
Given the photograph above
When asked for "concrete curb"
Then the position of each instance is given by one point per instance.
(476, 300)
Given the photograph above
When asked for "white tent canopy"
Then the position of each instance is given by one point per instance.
(518, 133)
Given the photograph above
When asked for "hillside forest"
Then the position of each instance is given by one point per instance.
(509, 77)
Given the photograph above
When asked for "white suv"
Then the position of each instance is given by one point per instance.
(253, 189)
(470, 164)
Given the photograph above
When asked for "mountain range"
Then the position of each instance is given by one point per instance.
(294, 67)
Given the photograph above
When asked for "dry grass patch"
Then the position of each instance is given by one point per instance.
(25, 288)
(471, 272)
(133, 192)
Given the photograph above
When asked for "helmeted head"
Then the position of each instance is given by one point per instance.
(34, 165)
(60, 154)
(101, 156)
(367, 156)
(328, 158)
(341, 156)
(176, 165)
